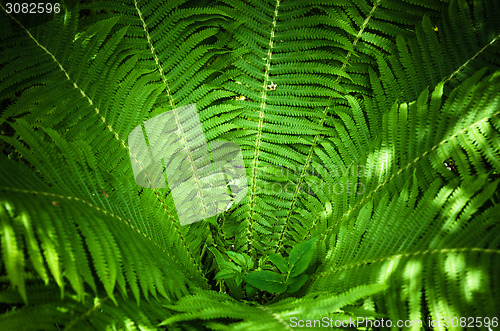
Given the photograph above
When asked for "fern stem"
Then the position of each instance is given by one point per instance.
(258, 140)
(276, 316)
(172, 105)
(96, 305)
(318, 136)
(472, 58)
(182, 135)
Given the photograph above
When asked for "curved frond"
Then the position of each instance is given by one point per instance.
(334, 160)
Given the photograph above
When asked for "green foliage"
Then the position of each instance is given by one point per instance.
(300, 257)
(289, 278)
(369, 131)
(224, 312)
(266, 280)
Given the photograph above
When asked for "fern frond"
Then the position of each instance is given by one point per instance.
(431, 55)
(433, 262)
(275, 316)
(101, 240)
(369, 134)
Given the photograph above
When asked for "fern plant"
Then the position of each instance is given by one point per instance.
(370, 135)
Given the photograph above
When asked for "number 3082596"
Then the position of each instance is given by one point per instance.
(32, 8)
